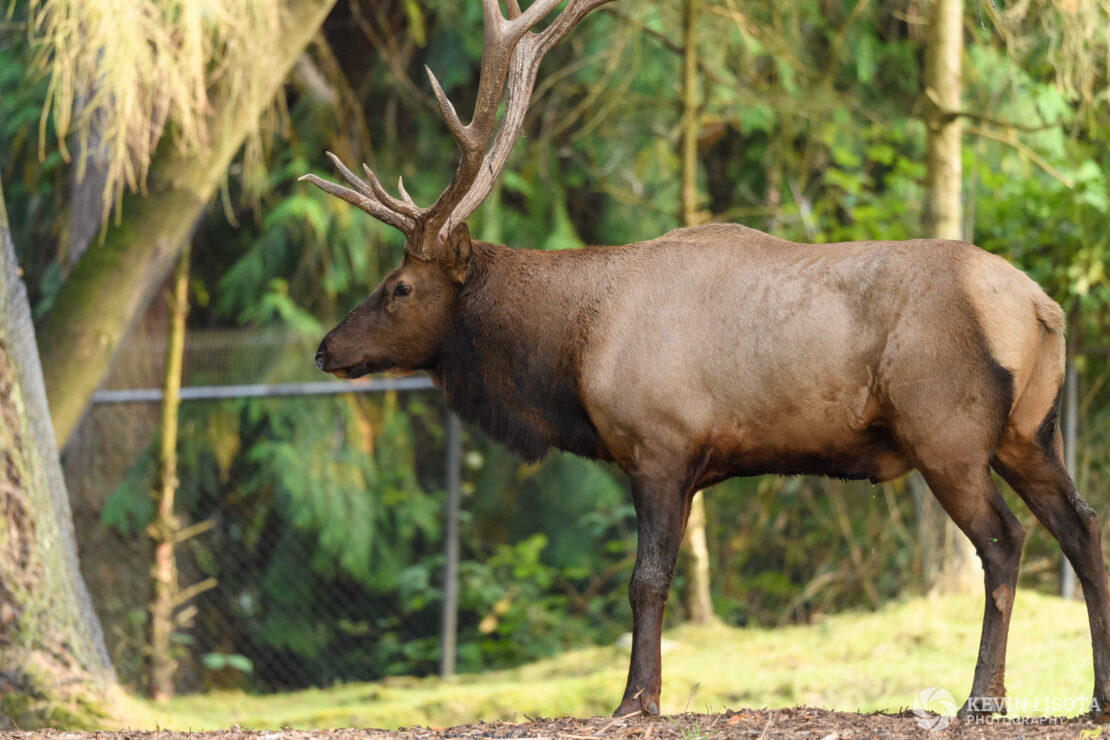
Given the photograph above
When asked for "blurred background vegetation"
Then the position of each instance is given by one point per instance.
(323, 516)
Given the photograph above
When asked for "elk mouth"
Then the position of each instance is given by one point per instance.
(350, 372)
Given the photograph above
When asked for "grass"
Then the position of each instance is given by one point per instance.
(857, 661)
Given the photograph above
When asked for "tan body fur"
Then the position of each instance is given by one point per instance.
(758, 355)
(797, 358)
(720, 351)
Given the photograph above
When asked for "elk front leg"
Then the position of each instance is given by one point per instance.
(661, 511)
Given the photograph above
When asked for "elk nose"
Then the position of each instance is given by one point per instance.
(321, 356)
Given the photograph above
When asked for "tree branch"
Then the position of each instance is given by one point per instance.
(949, 115)
(665, 42)
(193, 591)
(187, 533)
(1023, 150)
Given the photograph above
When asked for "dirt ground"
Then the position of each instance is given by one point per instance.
(800, 723)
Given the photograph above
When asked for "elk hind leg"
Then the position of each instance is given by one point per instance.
(969, 496)
(1034, 466)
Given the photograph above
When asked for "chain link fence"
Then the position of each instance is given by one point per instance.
(48, 629)
(312, 526)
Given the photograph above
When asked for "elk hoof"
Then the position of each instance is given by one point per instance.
(633, 705)
(627, 709)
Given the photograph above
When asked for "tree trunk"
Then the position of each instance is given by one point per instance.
(86, 199)
(113, 282)
(699, 605)
(950, 562)
(53, 667)
(943, 166)
(163, 530)
(690, 215)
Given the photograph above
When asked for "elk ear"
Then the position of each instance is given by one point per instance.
(456, 253)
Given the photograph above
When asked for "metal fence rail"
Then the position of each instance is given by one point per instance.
(277, 390)
(453, 460)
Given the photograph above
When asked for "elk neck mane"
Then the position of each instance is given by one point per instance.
(513, 361)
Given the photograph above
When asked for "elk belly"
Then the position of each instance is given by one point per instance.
(871, 454)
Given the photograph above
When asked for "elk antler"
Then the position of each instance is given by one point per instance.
(511, 59)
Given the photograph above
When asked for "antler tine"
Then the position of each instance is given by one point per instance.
(407, 207)
(365, 198)
(575, 11)
(447, 110)
(404, 193)
(510, 58)
(535, 13)
(354, 180)
(402, 223)
(502, 37)
(524, 66)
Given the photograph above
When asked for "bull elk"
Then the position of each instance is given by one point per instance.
(721, 351)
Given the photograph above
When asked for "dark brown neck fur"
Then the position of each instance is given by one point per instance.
(514, 360)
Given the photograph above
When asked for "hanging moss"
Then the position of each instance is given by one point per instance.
(111, 284)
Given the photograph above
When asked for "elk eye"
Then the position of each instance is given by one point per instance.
(402, 290)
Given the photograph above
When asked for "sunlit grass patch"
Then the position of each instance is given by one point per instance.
(857, 661)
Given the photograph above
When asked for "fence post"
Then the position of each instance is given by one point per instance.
(451, 548)
(1071, 421)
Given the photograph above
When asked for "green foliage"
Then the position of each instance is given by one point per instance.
(219, 661)
(129, 508)
(312, 483)
(32, 188)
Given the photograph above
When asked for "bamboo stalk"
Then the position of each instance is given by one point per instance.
(164, 530)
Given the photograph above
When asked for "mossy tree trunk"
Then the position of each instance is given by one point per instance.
(113, 282)
(53, 667)
(950, 561)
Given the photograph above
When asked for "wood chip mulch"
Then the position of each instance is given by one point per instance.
(796, 724)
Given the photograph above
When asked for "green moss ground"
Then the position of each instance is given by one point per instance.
(859, 661)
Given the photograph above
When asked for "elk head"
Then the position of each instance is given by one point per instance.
(406, 318)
